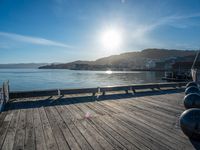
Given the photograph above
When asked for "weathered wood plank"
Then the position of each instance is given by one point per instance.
(158, 100)
(77, 121)
(29, 142)
(10, 136)
(114, 134)
(123, 132)
(86, 110)
(40, 143)
(152, 107)
(106, 135)
(48, 134)
(4, 126)
(139, 134)
(96, 110)
(66, 116)
(159, 119)
(120, 109)
(160, 123)
(140, 117)
(74, 112)
(160, 134)
(165, 131)
(2, 116)
(65, 130)
(104, 144)
(151, 142)
(60, 139)
(134, 105)
(163, 107)
(21, 131)
(86, 133)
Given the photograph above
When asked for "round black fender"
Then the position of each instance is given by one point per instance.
(191, 84)
(190, 123)
(192, 101)
(192, 89)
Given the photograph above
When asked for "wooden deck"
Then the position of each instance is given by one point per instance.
(118, 121)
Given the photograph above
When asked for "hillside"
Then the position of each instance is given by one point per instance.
(146, 59)
(22, 66)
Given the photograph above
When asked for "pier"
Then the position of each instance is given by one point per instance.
(119, 117)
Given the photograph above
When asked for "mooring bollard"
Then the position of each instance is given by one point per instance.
(192, 89)
(191, 84)
(190, 123)
(192, 101)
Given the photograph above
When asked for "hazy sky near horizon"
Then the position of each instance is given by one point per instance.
(68, 30)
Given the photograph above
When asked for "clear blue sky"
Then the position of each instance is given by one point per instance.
(67, 30)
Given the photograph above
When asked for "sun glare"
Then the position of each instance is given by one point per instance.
(111, 39)
(109, 72)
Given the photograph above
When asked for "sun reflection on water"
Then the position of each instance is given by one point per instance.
(109, 72)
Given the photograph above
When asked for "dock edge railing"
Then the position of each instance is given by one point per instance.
(96, 91)
(4, 94)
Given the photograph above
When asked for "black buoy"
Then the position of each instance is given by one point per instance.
(192, 101)
(191, 84)
(190, 123)
(192, 89)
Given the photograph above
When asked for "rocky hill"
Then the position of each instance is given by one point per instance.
(145, 59)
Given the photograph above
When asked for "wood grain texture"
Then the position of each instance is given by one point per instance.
(77, 121)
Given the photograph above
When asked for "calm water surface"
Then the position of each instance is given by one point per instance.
(36, 79)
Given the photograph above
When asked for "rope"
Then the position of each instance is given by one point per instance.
(195, 60)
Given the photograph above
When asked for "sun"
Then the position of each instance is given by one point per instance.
(111, 39)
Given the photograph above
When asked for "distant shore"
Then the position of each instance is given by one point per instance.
(114, 69)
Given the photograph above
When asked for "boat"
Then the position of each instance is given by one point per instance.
(171, 76)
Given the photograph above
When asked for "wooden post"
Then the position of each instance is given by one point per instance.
(6, 88)
(4, 95)
(93, 94)
(1, 98)
(133, 90)
(59, 92)
(126, 91)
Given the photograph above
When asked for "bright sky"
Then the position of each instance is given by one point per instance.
(68, 30)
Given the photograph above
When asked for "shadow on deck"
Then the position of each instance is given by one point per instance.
(62, 100)
(195, 143)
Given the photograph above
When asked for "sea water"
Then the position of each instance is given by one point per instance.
(40, 79)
